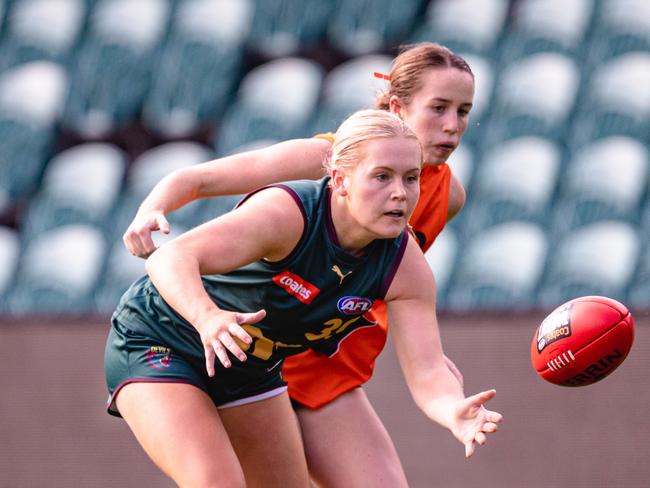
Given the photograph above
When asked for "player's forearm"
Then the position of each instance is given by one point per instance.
(172, 192)
(436, 393)
(433, 386)
(238, 174)
(225, 176)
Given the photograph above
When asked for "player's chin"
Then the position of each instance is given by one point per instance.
(435, 157)
(391, 230)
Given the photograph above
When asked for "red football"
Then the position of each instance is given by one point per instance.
(582, 341)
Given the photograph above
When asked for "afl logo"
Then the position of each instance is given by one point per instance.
(354, 305)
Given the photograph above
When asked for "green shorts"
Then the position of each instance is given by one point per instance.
(138, 356)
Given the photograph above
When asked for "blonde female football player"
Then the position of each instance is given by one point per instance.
(346, 444)
(184, 350)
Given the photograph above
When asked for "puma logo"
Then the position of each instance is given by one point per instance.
(339, 273)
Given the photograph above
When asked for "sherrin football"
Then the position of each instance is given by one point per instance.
(582, 341)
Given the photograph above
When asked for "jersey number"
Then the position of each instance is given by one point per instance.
(263, 347)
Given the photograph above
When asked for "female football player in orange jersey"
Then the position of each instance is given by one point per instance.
(346, 444)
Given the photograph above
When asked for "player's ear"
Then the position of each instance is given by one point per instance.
(338, 182)
(395, 106)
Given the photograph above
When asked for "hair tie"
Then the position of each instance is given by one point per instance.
(381, 76)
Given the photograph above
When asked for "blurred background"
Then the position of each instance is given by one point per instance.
(99, 99)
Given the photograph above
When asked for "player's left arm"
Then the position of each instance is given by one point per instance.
(457, 197)
(268, 225)
(411, 303)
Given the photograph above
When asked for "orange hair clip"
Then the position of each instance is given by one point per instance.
(381, 76)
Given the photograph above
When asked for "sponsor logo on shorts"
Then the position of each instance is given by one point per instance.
(554, 327)
(296, 286)
(159, 357)
(354, 305)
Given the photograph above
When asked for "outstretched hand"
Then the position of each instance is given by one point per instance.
(137, 237)
(472, 421)
(219, 335)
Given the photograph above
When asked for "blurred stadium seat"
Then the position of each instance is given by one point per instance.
(639, 288)
(535, 95)
(442, 258)
(349, 87)
(499, 268)
(80, 185)
(515, 180)
(359, 27)
(616, 100)
(9, 255)
(111, 72)
(147, 170)
(596, 259)
(41, 30)
(547, 26)
(467, 26)
(275, 101)
(286, 27)
(484, 82)
(31, 100)
(3, 11)
(198, 66)
(604, 180)
(558, 137)
(620, 26)
(58, 271)
(120, 270)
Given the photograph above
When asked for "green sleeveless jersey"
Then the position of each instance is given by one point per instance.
(313, 298)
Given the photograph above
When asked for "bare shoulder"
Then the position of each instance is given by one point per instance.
(272, 206)
(274, 200)
(275, 216)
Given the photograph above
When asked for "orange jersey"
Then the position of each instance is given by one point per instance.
(315, 379)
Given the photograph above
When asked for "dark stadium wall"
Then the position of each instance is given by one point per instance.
(55, 431)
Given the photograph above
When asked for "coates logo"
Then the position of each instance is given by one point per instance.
(354, 305)
(296, 286)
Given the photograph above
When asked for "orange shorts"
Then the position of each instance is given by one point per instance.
(316, 379)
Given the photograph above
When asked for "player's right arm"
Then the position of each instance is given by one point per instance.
(230, 175)
(411, 301)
